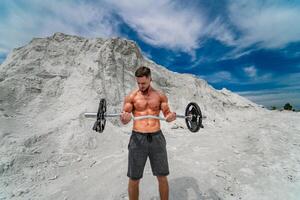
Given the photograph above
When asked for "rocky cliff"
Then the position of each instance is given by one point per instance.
(64, 72)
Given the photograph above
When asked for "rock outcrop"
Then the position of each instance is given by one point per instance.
(76, 72)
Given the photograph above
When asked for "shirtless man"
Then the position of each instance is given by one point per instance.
(146, 139)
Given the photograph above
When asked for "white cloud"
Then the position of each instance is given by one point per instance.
(277, 96)
(250, 71)
(162, 23)
(159, 23)
(41, 18)
(219, 30)
(270, 23)
(226, 76)
(274, 97)
(221, 76)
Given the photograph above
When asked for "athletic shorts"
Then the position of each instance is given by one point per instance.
(143, 145)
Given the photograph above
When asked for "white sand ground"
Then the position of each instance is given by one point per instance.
(48, 150)
(253, 157)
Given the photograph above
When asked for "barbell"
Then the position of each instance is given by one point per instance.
(193, 117)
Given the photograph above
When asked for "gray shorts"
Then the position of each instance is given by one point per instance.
(142, 145)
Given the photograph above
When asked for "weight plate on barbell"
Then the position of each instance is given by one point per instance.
(195, 122)
(101, 120)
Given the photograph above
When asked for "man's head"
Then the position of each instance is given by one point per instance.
(143, 78)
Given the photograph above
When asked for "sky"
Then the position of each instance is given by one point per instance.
(251, 47)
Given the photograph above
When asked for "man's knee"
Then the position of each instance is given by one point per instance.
(134, 181)
(162, 179)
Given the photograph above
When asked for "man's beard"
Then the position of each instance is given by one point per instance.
(145, 90)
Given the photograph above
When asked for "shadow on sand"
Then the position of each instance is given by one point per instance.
(186, 188)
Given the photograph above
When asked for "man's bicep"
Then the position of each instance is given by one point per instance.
(128, 106)
(164, 105)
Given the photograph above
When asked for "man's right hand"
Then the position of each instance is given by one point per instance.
(171, 117)
(125, 117)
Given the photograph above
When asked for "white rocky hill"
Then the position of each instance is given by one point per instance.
(49, 151)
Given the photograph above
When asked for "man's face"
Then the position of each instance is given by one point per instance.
(143, 83)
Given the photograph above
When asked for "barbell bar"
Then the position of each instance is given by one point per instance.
(193, 116)
(93, 115)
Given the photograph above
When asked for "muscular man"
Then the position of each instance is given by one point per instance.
(146, 139)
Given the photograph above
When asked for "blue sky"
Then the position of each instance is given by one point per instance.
(251, 47)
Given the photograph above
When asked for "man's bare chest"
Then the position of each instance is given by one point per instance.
(143, 103)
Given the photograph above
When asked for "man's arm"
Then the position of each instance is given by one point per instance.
(170, 116)
(127, 109)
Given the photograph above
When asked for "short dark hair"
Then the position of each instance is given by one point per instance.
(143, 71)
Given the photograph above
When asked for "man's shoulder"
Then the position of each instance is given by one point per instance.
(160, 93)
(133, 93)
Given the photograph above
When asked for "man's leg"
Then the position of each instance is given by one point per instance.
(159, 164)
(137, 157)
(133, 189)
(163, 187)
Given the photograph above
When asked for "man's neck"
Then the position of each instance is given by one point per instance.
(147, 91)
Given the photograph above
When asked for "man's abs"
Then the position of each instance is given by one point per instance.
(146, 125)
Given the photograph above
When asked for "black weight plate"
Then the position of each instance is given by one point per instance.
(102, 114)
(194, 123)
(101, 120)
